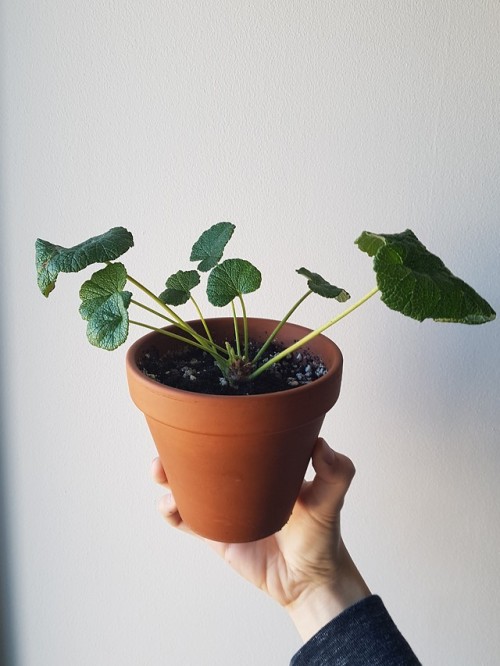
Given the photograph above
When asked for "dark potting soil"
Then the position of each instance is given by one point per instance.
(192, 369)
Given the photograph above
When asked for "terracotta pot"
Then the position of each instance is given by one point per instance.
(236, 463)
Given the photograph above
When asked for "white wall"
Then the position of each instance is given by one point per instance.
(303, 123)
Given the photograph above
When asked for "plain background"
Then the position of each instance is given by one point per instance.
(303, 123)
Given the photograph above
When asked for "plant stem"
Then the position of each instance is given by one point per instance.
(169, 334)
(171, 321)
(155, 298)
(155, 312)
(245, 327)
(312, 334)
(178, 320)
(236, 332)
(280, 326)
(202, 319)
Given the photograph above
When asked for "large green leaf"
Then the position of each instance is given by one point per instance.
(232, 278)
(416, 282)
(104, 307)
(178, 287)
(320, 286)
(54, 259)
(209, 247)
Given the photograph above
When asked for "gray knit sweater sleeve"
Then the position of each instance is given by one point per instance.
(363, 635)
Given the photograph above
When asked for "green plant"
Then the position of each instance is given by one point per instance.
(409, 278)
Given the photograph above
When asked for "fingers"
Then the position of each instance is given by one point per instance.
(158, 473)
(168, 510)
(331, 467)
(334, 473)
(166, 505)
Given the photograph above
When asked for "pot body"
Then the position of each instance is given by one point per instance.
(236, 463)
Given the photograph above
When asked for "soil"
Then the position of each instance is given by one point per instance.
(192, 369)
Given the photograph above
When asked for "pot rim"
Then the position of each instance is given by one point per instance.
(181, 394)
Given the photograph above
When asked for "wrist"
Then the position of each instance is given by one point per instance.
(318, 604)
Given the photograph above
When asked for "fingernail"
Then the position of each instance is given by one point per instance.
(165, 503)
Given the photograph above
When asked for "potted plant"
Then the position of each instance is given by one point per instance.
(235, 404)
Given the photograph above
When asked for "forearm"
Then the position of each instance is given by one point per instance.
(362, 635)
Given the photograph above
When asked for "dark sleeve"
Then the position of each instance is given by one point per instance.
(363, 635)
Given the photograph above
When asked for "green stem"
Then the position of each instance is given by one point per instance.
(202, 319)
(303, 341)
(171, 321)
(155, 298)
(245, 327)
(280, 326)
(236, 332)
(155, 312)
(178, 320)
(169, 334)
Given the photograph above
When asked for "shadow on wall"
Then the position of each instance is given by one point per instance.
(7, 657)
(6, 637)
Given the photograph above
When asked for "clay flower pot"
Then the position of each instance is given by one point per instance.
(236, 463)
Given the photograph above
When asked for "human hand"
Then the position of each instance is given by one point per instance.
(305, 566)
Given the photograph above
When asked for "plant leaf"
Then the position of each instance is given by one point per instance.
(179, 286)
(416, 282)
(209, 247)
(108, 327)
(104, 307)
(232, 278)
(54, 259)
(103, 283)
(371, 243)
(320, 286)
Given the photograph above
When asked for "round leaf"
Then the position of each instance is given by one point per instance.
(100, 287)
(179, 286)
(107, 328)
(232, 278)
(104, 307)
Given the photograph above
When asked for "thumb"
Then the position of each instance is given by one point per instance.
(334, 473)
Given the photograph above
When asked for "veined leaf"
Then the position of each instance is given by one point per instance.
(178, 287)
(320, 286)
(416, 282)
(103, 284)
(232, 278)
(104, 307)
(108, 327)
(209, 247)
(54, 259)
